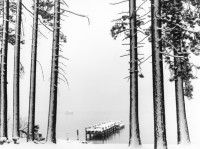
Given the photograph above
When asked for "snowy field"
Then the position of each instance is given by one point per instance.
(61, 144)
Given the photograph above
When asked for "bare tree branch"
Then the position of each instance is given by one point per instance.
(63, 57)
(39, 18)
(64, 78)
(65, 3)
(123, 12)
(60, 68)
(145, 60)
(189, 30)
(80, 15)
(124, 55)
(119, 2)
(63, 64)
(41, 69)
(165, 53)
(143, 39)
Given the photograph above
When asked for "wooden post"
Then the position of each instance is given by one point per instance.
(77, 132)
(86, 134)
(90, 136)
(67, 136)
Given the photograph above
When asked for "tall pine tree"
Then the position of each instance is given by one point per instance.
(182, 126)
(160, 141)
(134, 132)
(51, 128)
(32, 93)
(4, 51)
(16, 76)
(181, 39)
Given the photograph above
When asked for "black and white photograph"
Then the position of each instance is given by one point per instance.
(107, 74)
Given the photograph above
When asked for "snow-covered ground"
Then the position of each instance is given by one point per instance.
(62, 144)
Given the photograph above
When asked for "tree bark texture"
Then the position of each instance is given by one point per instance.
(3, 95)
(16, 76)
(51, 130)
(32, 93)
(160, 141)
(134, 131)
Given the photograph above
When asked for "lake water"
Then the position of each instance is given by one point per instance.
(79, 120)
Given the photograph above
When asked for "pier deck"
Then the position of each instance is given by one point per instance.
(103, 129)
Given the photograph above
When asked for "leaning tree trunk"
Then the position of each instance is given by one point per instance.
(3, 95)
(51, 130)
(182, 126)
(134, 132)
(160, 141)
(32, 93)
(16, 76)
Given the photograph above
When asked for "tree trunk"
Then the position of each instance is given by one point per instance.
(160, 141)
(16, 77)
(3, 95)
(134, 132)
(182, 126)
(51, 130)
(32, 93)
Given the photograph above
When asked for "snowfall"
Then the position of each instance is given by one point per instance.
(64, 144)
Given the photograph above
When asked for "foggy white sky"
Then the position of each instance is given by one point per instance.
(95, 72)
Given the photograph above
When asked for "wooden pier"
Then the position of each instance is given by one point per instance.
(103, 129)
